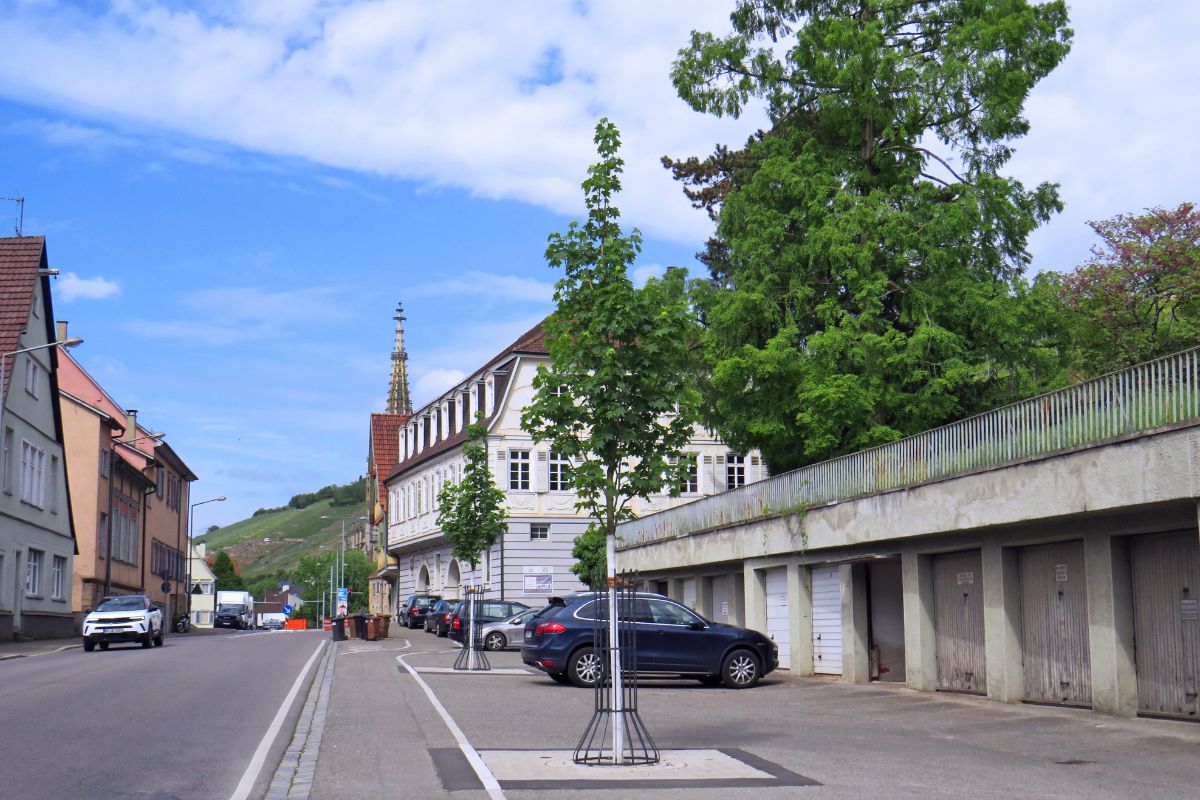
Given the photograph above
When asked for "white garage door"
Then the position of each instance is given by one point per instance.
(689, 593)
(827, 620)
(777, 614)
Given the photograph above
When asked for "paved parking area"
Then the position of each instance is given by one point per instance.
(850, 741)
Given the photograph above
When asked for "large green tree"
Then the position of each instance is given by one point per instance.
(226, 574)
(1138, 296)
(471, 512)
(619, 396)
(866, 268)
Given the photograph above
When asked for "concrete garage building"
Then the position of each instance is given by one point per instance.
(533, 560)
(1045, 552)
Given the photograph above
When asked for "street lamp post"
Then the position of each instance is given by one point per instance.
(191, 530)
(342, 568)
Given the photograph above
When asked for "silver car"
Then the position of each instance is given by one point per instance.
(507, 633)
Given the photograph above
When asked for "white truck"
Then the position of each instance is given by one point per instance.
(235, 609)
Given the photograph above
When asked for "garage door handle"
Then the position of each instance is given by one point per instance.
(818, 637)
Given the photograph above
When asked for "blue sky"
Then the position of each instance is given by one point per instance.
(238, 193)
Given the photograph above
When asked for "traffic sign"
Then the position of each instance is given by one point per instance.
(287, 609)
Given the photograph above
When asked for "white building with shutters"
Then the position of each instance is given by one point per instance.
(533, 559)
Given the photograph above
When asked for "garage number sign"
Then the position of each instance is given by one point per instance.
(966, 578)
(1190, 609)
(1060, 573)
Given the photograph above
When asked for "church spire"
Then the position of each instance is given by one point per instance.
(398, 398)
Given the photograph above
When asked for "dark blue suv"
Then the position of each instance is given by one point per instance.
(672, 640)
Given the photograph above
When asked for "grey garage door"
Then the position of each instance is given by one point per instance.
(1166, 589)
(958, 621)
(1054, 626)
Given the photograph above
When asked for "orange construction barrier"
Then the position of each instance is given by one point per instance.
(296, 625)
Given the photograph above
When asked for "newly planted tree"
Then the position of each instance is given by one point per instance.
(866, 273)
(618, 399)
(471, 512)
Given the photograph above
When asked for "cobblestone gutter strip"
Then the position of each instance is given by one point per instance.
(293, 779)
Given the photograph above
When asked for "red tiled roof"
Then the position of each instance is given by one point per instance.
(532, 342)
(385, 441)
(20, 258)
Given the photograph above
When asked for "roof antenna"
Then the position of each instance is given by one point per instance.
(20, 201)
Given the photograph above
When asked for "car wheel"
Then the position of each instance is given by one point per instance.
(710, 680)
(89, 647)
(148, 639)
(585, 668)
(104, 645)
(495, 641)
(740, 670)
(558, 677)
(158, 640)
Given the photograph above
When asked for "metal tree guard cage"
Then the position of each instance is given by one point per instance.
(472, 656)
(619, 708)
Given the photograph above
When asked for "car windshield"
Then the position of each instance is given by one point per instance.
(131, 603)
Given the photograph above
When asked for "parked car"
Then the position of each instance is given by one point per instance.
(507, 632)
(438, 619)
(272, 624)
(489, 611)
(125, 618)
(415, 608)
(672, 641)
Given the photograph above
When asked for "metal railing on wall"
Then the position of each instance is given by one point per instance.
(1133, 401)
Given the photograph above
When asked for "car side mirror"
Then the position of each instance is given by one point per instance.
(697, 625)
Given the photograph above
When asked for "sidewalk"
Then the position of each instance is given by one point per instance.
(38, 647)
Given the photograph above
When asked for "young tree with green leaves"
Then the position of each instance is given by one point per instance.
(471, 512)
(619, 396)
(866, 273)
(1138, 296)
(227, 577)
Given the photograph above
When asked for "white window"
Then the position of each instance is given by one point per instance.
(57, 573)
(33, 474)
(33, 572)
(560, 478)
(105, 457)
(518, 470)
(692, 484)
(7, 460)
(735, 471)
(53, 484)
(33, 378)
(539, 532)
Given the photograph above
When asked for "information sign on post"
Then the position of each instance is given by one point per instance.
(343, 601)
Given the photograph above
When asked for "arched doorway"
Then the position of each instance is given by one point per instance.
(453, 578)
(423, 579)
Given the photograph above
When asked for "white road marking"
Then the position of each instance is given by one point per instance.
(490, 784)
(260, 755)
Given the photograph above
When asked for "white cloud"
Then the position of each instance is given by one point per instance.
(489, 286)
(435, 381)
(499, 99)
(72, 287)
(639, 275)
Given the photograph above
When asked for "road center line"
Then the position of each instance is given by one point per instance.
(260, 755)
(481, 769)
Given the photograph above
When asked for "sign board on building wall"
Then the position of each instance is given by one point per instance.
(539, 584)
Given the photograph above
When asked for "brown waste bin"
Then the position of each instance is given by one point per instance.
(372, 631)
(385, 623)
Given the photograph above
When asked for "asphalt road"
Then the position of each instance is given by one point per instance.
(178, 721)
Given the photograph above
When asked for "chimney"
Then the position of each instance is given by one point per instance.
(130, 424)
(62, 329)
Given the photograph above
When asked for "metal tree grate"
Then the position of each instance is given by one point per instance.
(616, 708)
(472, 656)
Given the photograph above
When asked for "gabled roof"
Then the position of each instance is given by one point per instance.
(532, 342)
(20, 259)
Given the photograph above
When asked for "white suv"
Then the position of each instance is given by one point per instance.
(125, 618)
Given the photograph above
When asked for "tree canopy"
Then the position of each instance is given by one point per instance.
(619, 396)
(311, 577)
(226, 574)
(1138, 296)
(866, 273)
(471, 512)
